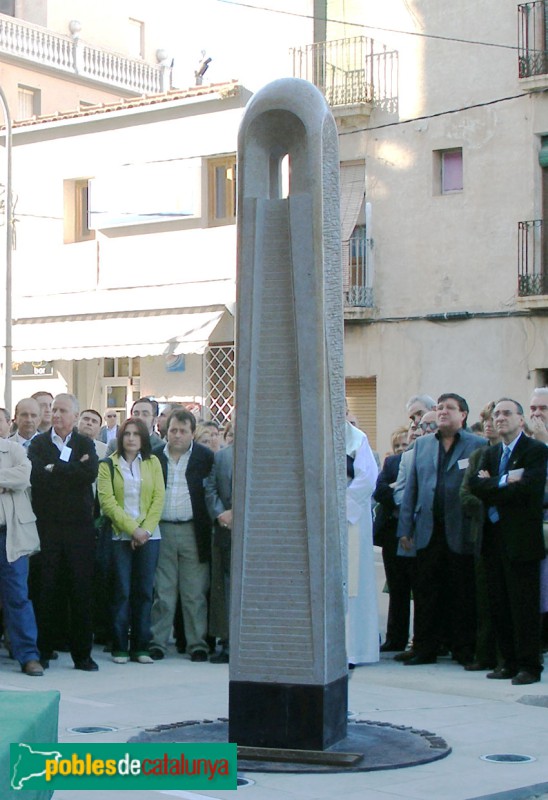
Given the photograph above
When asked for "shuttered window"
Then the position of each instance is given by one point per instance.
(361, 394)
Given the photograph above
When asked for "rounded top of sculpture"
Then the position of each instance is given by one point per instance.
(295, 95)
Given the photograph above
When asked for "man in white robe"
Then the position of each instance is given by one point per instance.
(362, 624)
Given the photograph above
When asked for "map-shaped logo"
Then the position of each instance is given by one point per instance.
(30, 764)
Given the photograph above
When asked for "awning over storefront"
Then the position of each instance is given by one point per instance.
(114, 335)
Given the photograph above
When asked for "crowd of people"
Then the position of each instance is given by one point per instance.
(114, 533)
(120, 534)
(462, 518)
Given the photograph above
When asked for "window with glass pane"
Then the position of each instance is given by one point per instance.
(137, 38)
(116, 396)
(123, 367)
(222, 190)
(451, 171)
(28, 102)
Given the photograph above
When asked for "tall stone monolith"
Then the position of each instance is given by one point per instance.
(288, 667)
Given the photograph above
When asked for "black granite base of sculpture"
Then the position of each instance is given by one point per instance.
(295, 716)
(381, 744)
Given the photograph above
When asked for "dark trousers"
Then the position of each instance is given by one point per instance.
(444, 593)
(486, 642)
(400, 577)
(514, 594)
(67, 560)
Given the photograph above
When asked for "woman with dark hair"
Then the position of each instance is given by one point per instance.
(131, 493)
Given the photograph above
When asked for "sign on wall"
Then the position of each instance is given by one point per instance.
(35, 368)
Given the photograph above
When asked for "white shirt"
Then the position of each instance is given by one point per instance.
(177, 504)
(131, 474)
(112, 433)
(20, 440)
(58, 441)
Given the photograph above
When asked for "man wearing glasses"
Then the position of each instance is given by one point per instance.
(109, 431)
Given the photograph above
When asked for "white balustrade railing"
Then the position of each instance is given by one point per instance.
(32, 43)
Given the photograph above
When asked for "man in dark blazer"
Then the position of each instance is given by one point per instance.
(64, 468)
(185, 549)
(511, 485)
(398, 578)
(218, 491)
(432, 525)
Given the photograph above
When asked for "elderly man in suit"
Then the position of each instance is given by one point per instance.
(64, 468)
(218, 493)
(432, 525)
(511, 484)
(109, 431)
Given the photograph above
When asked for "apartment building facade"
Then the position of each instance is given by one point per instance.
(455, 190)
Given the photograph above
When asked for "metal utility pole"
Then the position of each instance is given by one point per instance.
(9, 243)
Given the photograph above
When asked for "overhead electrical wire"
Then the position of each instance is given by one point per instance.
(368, 27)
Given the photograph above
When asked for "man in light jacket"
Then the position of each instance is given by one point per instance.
(18, 540)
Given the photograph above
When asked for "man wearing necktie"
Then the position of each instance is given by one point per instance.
(511, 486)
(27, 419)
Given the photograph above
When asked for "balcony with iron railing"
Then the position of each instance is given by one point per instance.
(359, 270)
(533, 44)
(350, 73)
(533, 261)
(37, 47)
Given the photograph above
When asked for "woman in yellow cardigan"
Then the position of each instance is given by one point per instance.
(133, 498)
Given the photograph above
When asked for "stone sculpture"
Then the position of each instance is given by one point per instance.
(288, 667)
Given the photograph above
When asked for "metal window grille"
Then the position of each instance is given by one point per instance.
(219, 382)
(360, 289)
(532, 39)
(532, 275)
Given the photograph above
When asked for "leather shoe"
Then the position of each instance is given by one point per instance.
(156, 654)
(501, 674)
(44, 662)
(416, 660)
(405, 656)
(219, 658)
(33, 668)
(198, 655)
(86, 664)
(524, 677)
(478, 666)
(391, 647)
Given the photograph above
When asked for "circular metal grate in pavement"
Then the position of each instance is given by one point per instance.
(508, 758)
(83, 729)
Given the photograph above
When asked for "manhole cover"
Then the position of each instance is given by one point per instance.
(508, 758)
(241, 782)
(92, 729)
(534, 700)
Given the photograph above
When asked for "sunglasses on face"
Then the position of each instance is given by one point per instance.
(428, 426)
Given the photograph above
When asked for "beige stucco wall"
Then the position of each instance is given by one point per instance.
(433, 253)
(481, 360)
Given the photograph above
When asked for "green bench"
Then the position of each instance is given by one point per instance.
(25, 717)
